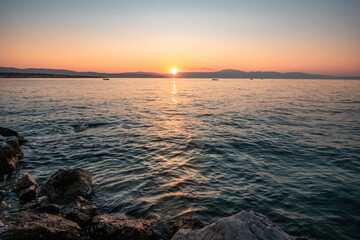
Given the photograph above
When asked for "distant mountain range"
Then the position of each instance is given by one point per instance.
(226, 73)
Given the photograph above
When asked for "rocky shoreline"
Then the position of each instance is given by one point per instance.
(61, 209)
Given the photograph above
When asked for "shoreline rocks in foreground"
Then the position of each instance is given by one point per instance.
(62, 211)
(243, 226)
(10, 153)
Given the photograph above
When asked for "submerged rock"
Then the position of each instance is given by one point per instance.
(10, 153)
(108, 227)
(6, 132)
(25, 188)
(242, 226)
(81, 128)
(186, 223)
(67, 184)
(31, 225)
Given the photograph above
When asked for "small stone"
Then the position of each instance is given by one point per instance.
(25, 188)
(3, 206)
(23, 182)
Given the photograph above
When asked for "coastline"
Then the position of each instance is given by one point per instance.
(62, 209)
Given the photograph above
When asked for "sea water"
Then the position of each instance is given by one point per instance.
(170, 148)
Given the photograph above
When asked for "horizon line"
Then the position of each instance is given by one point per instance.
(168, 73)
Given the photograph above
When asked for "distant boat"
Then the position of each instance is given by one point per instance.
(106, 78)
(215, 79)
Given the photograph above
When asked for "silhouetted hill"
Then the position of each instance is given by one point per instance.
(70, 73)
(231, 73)
(226, 73)
(38, 75)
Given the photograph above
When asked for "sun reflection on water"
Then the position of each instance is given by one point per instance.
(174, 92)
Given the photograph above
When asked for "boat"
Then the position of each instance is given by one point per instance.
(106, 78)
(215, 79)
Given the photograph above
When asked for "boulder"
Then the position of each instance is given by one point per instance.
(67, 184)
(81, 211)
(242, 226)
(25, 188)
(6, 132)
(31, 225)
(10, 153)
(108, 227)
(186, 223)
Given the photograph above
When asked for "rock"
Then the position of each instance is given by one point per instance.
(6, 132)
(80, 211)
(30, 225)
(25, 188)
(48, 208)
(27, 194)
(3, 206)
(242, 226)
(67, 184)
(38, 202)
(10, 153)
(186, 223)
(2, 192)
(108, 227)
(23, 182)
(81, 128)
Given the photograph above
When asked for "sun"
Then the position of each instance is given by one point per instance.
(174, 71)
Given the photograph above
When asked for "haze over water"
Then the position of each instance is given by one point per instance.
(166, 148)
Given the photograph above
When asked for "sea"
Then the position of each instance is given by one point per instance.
(171, 148)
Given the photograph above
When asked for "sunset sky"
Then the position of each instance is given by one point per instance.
(319, 36)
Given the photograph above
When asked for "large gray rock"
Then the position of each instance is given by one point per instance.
(10, 153)
(25, 188)
(6, 132)
(67, 184)
(242, 226)
(31, 225)
(108, 227)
